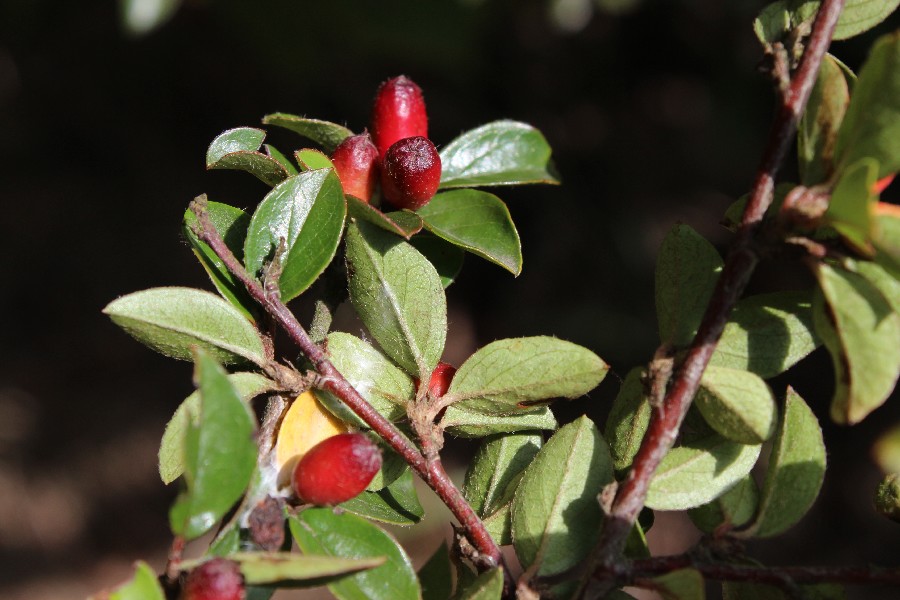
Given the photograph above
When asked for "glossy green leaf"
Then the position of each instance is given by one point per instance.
(871, 127)
(143, 586)
(499, 153)
(403, 223)
(321, 531)
(684, 584)
(239, 149)
(171, 449)
(628, 420)
(858, 16)
(508, 375)
(436, 575)
(477, 221)
(860, 330)
(487, 586)
(328, 135)
(737, 404)
(397, 504)
(686, 273)
(289, 569)
(555, 513)
(446, 257)
(172, 320)
(820, 123)
(231, 223)
(140, 17)
(464, 423)
(732, 509)
(767, 334)
(278, 155)
(310, 159)
(497, 463)
(398, 295)
(852, 205)
(887, 451)
(795, 473)
(220, 453)
(308, 212)
(699, 472)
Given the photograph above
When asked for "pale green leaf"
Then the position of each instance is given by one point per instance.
(464, 423)
(737, 404)
(628, 420)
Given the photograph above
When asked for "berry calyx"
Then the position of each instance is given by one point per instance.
(356, 164)
(336, 469)
(398, 112)
(216, 579)
(440, 379)
(411, 173)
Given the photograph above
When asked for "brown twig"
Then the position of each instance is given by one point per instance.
(739, 265)
(330, 379)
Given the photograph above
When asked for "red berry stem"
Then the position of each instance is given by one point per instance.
(332, 381)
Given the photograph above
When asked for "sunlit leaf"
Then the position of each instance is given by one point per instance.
(328, 135)
(464, 423)
(737, 404)
(239, 149)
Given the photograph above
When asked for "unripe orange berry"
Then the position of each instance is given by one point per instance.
(216, 579)
(411, 173)
(336, 469)
(356, 163)
(398, 112)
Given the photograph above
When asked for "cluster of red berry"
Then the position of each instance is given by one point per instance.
(398, 149)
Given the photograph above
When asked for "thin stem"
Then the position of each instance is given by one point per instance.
(739, 265)
(331, 380)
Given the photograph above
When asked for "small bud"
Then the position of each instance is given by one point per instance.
(440, 379)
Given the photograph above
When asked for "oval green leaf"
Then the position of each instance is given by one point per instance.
(239, 149)
(821, 121)
(499, 153)
(143, 586)
(446, 257)
(497, 463)
(288, 569)
(172, 320)
(397, 504)
(555, 513)
(508, 375)
(326, 134)
(628, 420)
(851, 210)
(858, 16)
(321, 531)
(684, 584)
(732, 509)
(310, 159)
(737, 404)
(464, 423)
(398, 295)
(699, 472)
(487, 586)
(403, 223)
(477, 221)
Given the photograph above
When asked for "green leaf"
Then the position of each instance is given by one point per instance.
(143, 586)
(487, 586)
(398, 295)
(239, 149)
(887, 240)
(310, 159)
(397, 504)
(498, 463)
(403, 223)
(858, 16)
(772, 23)
(508, 375)
(795, 473)
(860, 330)
(231, 223)
(499, 153)
(446, 258)
(737, 404)
(699, 472)
(289, 569)
(386, 387)
(220, 453)
(883, 281)
(463, 423)
(732, 509)
(172, 320)
(308, 212)
(436, 576)
(499, 524)
(871, 127)
(477, 221)
(328, 135)
(171, 449)
(322, 531)
(392, 467)
(684, 584)
(852, 205)
(767, 334)
(281, 158)
(628, 420)
(555, 513)
(820, 123)
(686, 273)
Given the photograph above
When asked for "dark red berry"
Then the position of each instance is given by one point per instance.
(411, 173)
(440, 379)
(356, 163)
(336, 469)
(216, 579)
(398, 112)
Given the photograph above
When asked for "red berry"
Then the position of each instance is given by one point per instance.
(411, 173)
(398, 112)
(216, 579)
(881, 184)
(355, 161)
(336, 469)
(440, 379)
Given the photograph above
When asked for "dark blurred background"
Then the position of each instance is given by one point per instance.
(656, 113)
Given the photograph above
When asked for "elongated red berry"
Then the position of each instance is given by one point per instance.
(440, 379)
(356, 163)
(411, 173)
(336, 469)
(216, 579)
(398, 112)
